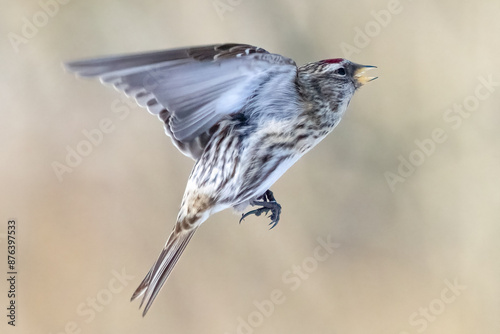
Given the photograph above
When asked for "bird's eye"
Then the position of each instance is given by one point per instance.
(340, 71)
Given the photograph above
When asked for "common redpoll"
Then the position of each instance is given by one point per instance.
(243, 114)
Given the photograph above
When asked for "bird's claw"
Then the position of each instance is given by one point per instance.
(267, 204)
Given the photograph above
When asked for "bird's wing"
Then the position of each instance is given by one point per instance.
(190, 89)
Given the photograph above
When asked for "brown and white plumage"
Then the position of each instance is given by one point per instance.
(243, 114)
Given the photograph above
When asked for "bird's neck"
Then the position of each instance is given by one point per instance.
(323, 107)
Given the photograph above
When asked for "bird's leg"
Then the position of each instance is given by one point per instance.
(267, 203)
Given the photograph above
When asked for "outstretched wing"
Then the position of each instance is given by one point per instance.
(190, 89)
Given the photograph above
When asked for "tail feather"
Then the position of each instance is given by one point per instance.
(143, 286)
(159, 272)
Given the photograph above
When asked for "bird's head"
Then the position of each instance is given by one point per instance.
(335, 79)
(341, 71)
(345, 70)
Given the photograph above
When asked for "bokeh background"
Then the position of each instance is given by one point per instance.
(398, 249)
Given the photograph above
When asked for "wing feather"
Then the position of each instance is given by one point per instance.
(190, 89)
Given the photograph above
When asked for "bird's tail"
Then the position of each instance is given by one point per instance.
(159, 272)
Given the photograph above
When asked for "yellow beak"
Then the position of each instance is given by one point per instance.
(358, 74)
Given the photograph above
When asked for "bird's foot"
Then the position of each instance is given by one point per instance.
(267, 204)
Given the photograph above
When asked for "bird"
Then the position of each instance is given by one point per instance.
(243, 114)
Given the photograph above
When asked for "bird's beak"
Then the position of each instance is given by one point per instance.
(358, 74)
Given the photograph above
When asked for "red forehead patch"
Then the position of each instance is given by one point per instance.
(333, 61)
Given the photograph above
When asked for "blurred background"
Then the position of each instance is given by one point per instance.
(404, 193)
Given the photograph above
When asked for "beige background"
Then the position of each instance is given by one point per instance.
(397, 249)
